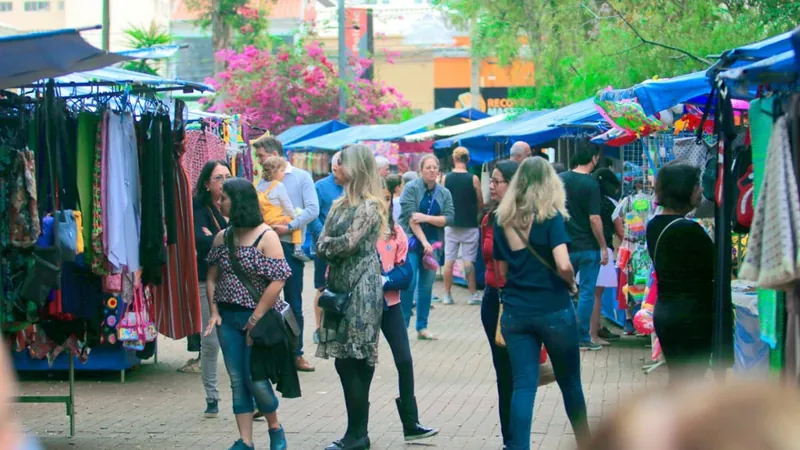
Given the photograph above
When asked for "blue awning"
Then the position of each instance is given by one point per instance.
(36, 56)
(348, 136)
(480, 145)
(337, 139)
(551, 125)
(658, 95)
(763, 49)
(154, 52)
(122, 77)
(309, 131)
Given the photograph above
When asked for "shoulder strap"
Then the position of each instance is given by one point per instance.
(236, 265)
(271, 187)
(655, 250)
(534, 252)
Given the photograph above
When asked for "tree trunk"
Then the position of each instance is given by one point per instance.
(475, 84)
(220, 38)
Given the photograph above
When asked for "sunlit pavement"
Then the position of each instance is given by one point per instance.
(159, 408)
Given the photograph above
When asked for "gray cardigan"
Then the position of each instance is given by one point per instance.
(412, 196)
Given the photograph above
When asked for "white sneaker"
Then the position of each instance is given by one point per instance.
(448, 299)
(477, 299)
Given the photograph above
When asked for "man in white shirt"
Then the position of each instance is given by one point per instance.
(300, 186)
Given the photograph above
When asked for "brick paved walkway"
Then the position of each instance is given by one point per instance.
(158, 408)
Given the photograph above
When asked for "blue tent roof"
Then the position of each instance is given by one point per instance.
(551, 125)
(762, 49)
(341, 138)
(309, 131)
(35, 56)
(122, 76)
(480, 146)
(658, 95)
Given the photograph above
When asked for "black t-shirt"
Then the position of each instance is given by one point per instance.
(460, 184)
(583, 200)
(531, 287)
(684, 262)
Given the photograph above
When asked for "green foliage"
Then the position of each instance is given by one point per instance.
(582, 46)
(146, 37)
(234, 23)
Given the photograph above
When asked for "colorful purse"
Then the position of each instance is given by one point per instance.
(135, 327)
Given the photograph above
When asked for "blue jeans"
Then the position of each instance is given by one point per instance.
(524, 335)
(587, 264)
(423, 278)
(293, 291)
(236, 353)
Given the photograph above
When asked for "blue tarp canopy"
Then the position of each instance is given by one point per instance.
(760, 50)
(309, 131)
(553, 124)
(480, 146)
(348, 136)
(123, 77)
(658, 95)
(30, 57)
(774, 69)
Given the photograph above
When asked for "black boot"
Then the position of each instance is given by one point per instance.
(356, 437)
(412, 430)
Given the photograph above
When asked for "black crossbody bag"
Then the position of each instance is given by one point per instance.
(286, 313)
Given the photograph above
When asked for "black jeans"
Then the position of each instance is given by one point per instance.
(394, 330)
(356, 378)
(490, 310)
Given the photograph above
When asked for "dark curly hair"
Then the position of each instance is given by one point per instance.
(675, 186)
(390, 183)
(245, 210)
(200, 192)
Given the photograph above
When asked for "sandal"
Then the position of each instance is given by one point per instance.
(191, 366)
(426, 335)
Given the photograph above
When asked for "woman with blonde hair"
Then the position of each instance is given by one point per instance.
(353, 301)
(530, 245)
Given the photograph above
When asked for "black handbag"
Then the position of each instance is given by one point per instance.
(334, 302)
(287, 314)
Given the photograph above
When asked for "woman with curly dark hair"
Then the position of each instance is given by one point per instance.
(245, 258)
(208, 221)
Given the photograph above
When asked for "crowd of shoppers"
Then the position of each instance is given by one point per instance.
(378, 239)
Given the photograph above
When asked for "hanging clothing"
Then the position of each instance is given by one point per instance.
(201, 147)
(168, 168)
(152, 250)
(87, 135)
(98, 262)
(178, 298)
(774, 245)
(123, 206)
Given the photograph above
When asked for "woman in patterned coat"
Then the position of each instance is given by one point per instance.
(347, 244)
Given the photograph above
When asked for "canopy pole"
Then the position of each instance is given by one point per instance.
(106, 32)
(342, 61)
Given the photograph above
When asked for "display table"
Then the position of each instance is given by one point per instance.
(103, 358)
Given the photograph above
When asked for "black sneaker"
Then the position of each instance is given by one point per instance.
(212, 409)
(590, 346)
(607, 334)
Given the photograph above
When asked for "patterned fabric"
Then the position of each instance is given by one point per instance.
(98, 253)
(24, 227)
(177, 298)
(260, 270)
(689, 151)
(201, 147)
(348, 244)
(773, 249)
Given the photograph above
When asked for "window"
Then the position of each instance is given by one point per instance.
(6, 6)
(37, 6)
(61, 5)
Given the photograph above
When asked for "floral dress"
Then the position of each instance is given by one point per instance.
(348, 245)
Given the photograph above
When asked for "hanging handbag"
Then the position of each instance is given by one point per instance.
(336, 303)
(66, 237)
(282, 308)
(44, 274)
(498, 336)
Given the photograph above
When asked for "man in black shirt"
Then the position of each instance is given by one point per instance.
(461, 240)
(587, 251)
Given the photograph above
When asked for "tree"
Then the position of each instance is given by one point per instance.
(233, 23)
(295, 86)
(146, 37)
(582, 46)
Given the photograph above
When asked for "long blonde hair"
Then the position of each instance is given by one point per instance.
(535, 194)
(363, 182)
